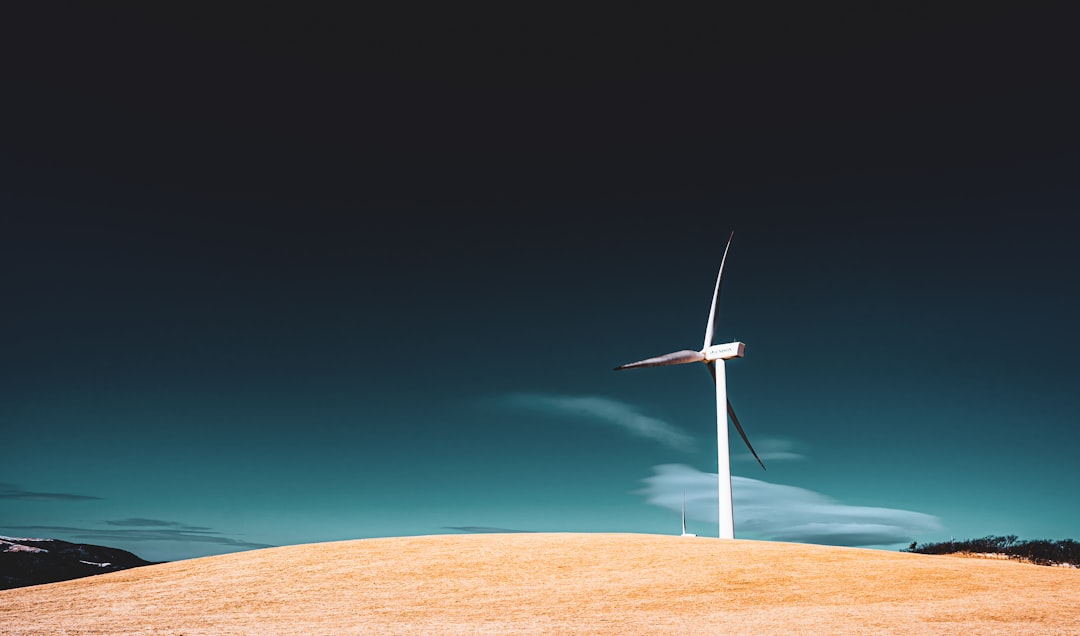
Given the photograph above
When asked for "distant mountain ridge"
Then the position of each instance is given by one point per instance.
(36, 561)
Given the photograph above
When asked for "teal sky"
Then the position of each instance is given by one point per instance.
(387, 301)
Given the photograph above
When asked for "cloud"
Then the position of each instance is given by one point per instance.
(606, 411)
(770, 449)
(785, 513)
(153, 531)
(143, 523)
(484, 530)
(12, 491)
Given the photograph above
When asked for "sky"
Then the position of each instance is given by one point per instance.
(284, 277)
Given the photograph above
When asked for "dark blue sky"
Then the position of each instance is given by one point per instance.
(284, 278)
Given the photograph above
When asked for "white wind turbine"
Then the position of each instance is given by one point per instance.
(714, 356)
(684, 532)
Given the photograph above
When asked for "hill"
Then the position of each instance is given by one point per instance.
(36, 561)
(557, 583)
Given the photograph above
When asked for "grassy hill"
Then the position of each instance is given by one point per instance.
(557, 583)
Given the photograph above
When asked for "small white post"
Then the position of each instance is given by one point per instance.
(723, 472)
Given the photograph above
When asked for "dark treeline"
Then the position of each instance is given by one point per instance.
(1040, 551)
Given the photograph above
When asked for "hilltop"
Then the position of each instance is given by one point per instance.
(557, 583)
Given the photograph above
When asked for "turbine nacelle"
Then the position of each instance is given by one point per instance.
(726, 351)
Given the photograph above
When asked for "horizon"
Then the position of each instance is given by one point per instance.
(276, 279)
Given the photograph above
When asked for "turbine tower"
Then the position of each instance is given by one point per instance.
(714, 357)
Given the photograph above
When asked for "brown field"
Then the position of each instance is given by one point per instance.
(557, 584)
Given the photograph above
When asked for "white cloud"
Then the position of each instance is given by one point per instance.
(785, 513)
(769, 449)
(605, 411)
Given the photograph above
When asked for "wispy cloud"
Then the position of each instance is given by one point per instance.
(126, 530)
(770, 449)
(785, 513)
(604, 411)
(484, 530)
(154, 523)
(13, 491)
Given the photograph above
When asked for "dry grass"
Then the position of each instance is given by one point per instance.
(557, 584)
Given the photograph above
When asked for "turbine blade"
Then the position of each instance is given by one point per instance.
(712, 370)
(710, 328)
(678, 357)
(738, 427)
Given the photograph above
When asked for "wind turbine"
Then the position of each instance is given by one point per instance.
(714, 356)
(684, 532)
